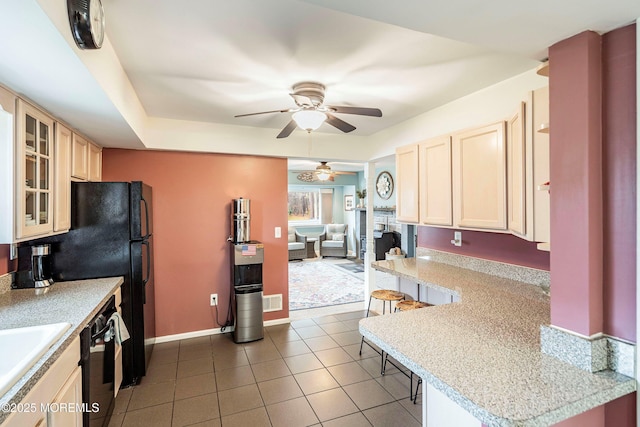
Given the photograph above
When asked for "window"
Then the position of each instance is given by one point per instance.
(304, 205)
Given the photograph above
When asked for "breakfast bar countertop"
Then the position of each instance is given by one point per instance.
(483, 352)
(74, 302)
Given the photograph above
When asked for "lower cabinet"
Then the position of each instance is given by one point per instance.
(61, 412)
(56, 398)
(440, 411)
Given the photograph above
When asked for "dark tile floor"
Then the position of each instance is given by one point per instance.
(307, 373)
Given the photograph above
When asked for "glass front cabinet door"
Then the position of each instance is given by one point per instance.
(35, 163)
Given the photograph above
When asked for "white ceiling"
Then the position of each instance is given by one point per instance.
(204, 61)
(215, 59)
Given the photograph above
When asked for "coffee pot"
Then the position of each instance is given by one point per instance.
(34, 267)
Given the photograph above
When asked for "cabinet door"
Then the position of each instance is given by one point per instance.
(407, 184)
(62, 177)
(479, 178)
(80, 158)
(541, 198)
(435, 181)
(69, 394)
(95, 163)
(35, 164)
(516, 179)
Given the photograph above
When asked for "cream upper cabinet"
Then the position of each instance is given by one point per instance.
(62, 179)
(86, 160)
(35, 165)
(516, 178)
(435, 182)
(95, 163)
(80, 158)
(539, 166)
(407, 208)
(479, 178)
(8, 178)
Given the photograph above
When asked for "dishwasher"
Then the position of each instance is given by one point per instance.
(97, 359)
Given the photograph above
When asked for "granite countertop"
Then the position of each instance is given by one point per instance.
(484, 351)
(75, 302)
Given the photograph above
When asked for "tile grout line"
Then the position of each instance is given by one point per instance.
(272, 342)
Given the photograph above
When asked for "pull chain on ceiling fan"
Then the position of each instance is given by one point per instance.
(310, 112)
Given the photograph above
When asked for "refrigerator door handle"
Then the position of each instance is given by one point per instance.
(146, 217)
(148, 276)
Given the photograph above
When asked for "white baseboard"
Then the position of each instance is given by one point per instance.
(277, 321)
(215, 331)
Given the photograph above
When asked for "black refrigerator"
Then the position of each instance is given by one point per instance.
(112, 235)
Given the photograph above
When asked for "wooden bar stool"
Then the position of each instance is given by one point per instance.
(411, 305)
(406, 306)
(384, 295)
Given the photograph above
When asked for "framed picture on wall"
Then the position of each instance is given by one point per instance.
(348, 202)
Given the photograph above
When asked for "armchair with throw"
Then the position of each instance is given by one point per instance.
(297, 244)
(333, 240)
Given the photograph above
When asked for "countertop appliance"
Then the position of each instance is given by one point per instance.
(112, 235)
(34, 267)
(98, 368)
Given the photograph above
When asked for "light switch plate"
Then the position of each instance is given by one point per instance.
(278, 232)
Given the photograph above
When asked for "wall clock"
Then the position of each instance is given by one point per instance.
(86, 18)
(384, 185)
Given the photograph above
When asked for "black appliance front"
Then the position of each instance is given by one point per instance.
(248, 274)
(98, 368)
(111, 226)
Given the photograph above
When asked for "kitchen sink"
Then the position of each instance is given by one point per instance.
(21, 348)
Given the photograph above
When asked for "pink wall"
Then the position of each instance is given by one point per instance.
(619, 169)
(5, 264)
(192, 195)
(576, 183)
(492, 246)
(576, 298)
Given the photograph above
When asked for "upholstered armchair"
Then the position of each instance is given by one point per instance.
(297, 244)
(333, 240)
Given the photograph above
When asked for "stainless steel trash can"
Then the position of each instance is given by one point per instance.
(248, 324)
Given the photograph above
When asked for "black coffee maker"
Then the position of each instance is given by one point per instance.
(34, 267)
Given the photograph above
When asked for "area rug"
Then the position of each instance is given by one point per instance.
(320, 284)
(352, 267)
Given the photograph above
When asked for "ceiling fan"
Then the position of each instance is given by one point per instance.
(322, 172)
(310, 112)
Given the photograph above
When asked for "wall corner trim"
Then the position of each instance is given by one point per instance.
(595, 353)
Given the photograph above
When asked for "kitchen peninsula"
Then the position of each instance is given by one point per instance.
(480, 358)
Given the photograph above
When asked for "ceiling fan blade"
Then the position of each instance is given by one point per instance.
(373, 112)
(339, 123)
(343, 173)
(287, 130)
(263, 112)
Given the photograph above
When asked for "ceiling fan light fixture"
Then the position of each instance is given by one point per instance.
(323, 175)
(309, 119)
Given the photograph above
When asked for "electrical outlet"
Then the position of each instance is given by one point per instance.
(214, 300)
